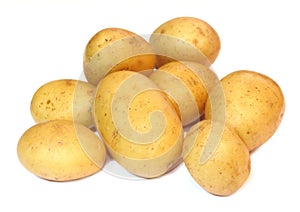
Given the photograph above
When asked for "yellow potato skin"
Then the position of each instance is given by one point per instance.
(61, 150)
(186, 83)
(192, 31)
(115, 49)
(63, 99)
(103, 38)
(254, 106)
(150, 159)
(227, 169)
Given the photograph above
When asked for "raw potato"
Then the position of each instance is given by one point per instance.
(61, 150)
(187, 84)
(64, 99)
(115, 49)
(138, 124)
(216, 157)
(254, 106)
(185, 38)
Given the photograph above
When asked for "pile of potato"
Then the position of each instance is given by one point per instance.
(153, 105)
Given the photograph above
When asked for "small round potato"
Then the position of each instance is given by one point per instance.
(185, 38)
(215, 156)
(61, 150)
(138, 123)
(64, 99)
(254, 106)
(187, 84)
(115, 49)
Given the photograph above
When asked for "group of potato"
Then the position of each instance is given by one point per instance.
(154, 104)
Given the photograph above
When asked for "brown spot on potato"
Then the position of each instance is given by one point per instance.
(200, 31)
(195, 41)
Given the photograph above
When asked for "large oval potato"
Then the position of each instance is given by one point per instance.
(61, 150)
(187, 84)
(115, 49)
(254, 106)
(64, 99)
(185, 38)
(216, 157)
(138, 124)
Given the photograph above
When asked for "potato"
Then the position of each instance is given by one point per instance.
(65, 99)
(114, 49)
(61, 150)
(254, 106)
(185, 38)
(138, 124)
(216, 157)
(187, 84)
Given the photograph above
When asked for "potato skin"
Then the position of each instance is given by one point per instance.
(63, 99)
(254, 106)
(185, 38)
(138, 124)
(115, 49)
(61, 150)
(187, 84)
(229, 165)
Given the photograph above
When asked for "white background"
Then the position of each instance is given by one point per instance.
(44, 40)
